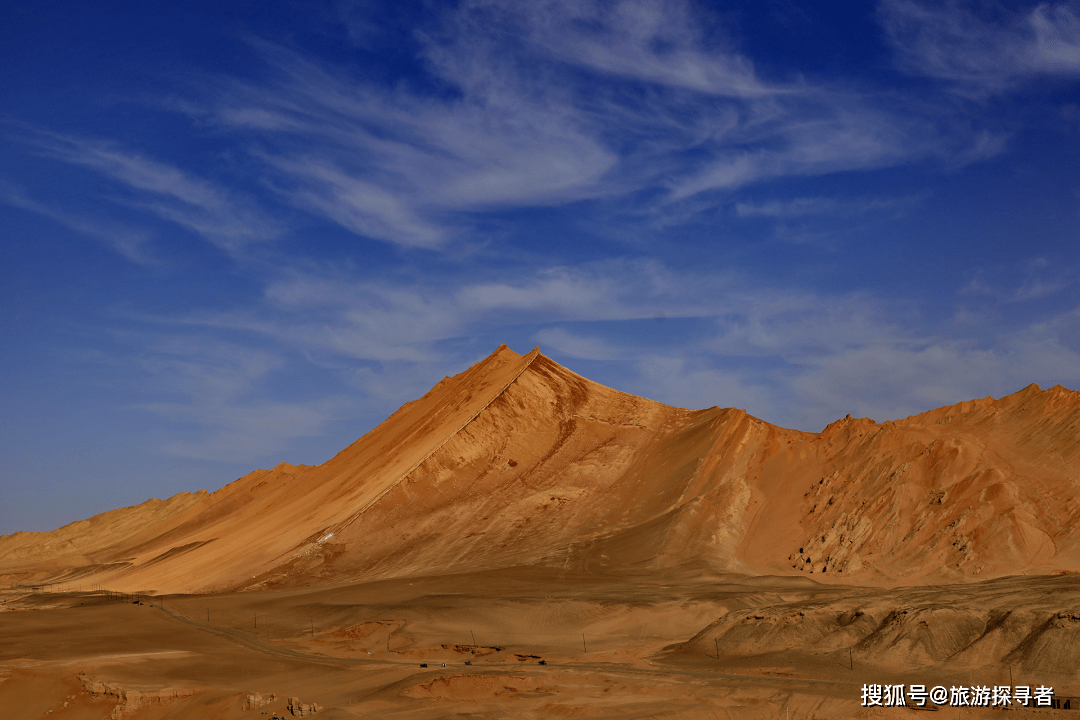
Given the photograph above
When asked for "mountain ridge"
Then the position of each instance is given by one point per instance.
(518, 460)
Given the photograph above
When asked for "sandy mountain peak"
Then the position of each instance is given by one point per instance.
(519, 461)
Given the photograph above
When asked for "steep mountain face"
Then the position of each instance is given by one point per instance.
(980, 489)
(520, 461)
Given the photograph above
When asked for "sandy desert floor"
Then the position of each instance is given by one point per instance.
(612, 647)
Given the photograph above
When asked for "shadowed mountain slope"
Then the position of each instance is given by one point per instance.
(519, 461)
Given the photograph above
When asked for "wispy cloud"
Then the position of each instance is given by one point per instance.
(831, 133)
(799, 358)
(136, 171)
(242, 433)
(655, 42)
(1035, 279)
(158, 188)
(983, 50)
(564, 342)
(686, 380)
(127, 241)
(220, 391)
(800, 325)
(549, 103)
(889, 380)
(403, 321)
(815, 368)
(800, 207)
(390, 165)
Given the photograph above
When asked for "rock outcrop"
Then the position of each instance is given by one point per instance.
(301, 709)
(255, 701)
(130, 702)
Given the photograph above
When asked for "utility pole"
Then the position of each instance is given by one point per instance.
(583, 645)
(717, 641)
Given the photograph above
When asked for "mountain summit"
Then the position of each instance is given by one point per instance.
(519, 461)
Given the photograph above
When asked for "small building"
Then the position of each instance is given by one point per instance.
(1065, 702)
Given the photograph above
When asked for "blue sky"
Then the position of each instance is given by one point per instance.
(237, 233)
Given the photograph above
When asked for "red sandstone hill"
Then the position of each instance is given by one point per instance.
(519, 461)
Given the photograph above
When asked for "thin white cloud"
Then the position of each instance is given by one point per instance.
(390, 165)
(952, 42)
(359, 205)
(161, 189)
(832, 134)
(567, 293)
(795, 207)
(889, 373)
(696, 383)
(403, 321)
(220, 386)
(563, 342)
(548, 103)
(1035, 279)
(800, 325)
(541, 104)
(127, 241)
(136, 171)
(801, 207)
(242, 433)
(656, 42)
(891, 380)
(838, 355)
(796, 358)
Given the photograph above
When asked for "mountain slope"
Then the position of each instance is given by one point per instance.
(520, 461)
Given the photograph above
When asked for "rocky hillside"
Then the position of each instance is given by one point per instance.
(520, 461)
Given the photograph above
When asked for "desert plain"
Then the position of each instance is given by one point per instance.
(522, 542)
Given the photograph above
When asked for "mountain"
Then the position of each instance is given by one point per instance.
(519, 461)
